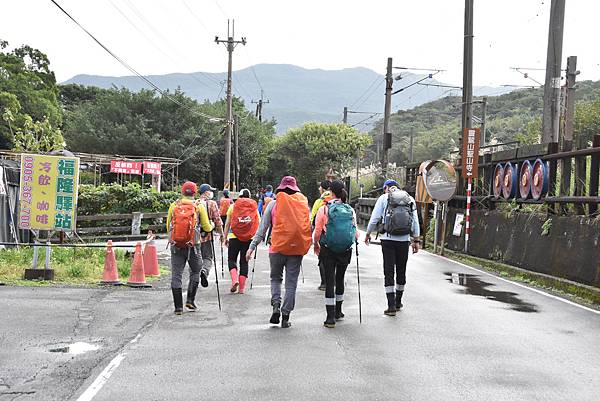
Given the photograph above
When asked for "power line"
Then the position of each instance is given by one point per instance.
(366, 99)
(130, 68)
(377, 78)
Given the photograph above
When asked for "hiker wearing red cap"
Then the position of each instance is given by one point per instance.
(206, 193)
(395, 217)
(289, 216)
(183, 218)
(241, 225)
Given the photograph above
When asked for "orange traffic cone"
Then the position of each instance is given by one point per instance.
(137, 278)
(110, 274)
(151, 260)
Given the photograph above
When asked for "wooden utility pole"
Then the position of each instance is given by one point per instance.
(467, 93)
(259, 105)
(387, 134)
(567, 140)
(345, 120)
(551, 116)
(230, 44)
(483, 113)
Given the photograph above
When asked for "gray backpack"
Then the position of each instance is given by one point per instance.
(398, 215)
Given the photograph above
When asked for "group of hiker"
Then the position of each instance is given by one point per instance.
(283, 219)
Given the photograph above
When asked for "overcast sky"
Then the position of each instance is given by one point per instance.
(160, 36)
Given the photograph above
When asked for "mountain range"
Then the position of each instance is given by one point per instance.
(296, 95)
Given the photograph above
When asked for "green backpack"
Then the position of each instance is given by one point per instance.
(340, 232)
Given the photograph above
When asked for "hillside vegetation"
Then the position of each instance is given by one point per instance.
(435, 126)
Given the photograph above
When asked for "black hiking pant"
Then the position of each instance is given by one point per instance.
(237, 247)
(335, 265)
(395, 256)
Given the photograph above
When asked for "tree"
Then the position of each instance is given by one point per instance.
(30, 116)
(310, 151)
(587, 121)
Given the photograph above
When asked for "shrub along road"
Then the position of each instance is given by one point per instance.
(463, 334)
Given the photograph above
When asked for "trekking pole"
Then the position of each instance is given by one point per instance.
(358, 278)
(253, 267)
(222, 270)
(212, 243)
(302, 271)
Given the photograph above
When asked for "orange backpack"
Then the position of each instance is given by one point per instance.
(267, 200)
(291, 230)
(224, 206)
(244, 219)
(183, 224)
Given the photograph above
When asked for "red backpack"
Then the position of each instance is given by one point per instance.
(183, 224)
(244, 219)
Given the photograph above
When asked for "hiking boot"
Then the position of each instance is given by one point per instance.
(242, 284)
(391, 300)
(330, 320)
(234, 280)
(285, 321)
(276, 313)
(338, 310)
(399, 300)
(177, 300)
(203, 280)
(191, 296)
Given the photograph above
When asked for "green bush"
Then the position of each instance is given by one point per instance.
(116, 198)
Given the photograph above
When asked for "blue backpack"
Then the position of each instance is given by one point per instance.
(340, 232)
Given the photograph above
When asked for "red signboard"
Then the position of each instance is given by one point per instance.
(152, 168)
(470, 152)
(126, 167)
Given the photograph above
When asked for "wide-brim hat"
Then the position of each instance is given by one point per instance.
(288, 182)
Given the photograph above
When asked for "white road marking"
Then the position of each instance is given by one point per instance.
(103, 377)
(518, 284)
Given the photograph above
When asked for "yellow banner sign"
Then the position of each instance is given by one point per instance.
(48, 196)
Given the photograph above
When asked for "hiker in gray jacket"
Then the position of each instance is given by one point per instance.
(397, 223)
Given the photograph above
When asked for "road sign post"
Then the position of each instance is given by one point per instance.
(470, 159)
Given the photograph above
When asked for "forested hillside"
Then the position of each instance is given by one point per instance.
(435, 126)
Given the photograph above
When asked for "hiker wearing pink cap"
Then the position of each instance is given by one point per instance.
(289, 217)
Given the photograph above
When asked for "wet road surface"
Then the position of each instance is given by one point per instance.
(462, 335)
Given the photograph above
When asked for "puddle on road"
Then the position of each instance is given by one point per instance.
(77, 348)
(472, 285)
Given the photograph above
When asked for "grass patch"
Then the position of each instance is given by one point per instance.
(578, 292)
(73, 266)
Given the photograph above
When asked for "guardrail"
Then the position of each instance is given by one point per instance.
(134, 228)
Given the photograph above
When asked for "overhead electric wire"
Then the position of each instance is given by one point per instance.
(131, 69)
(363, 121)
(377, 78)
(366, 99)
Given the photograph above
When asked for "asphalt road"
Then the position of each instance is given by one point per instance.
(462, 335)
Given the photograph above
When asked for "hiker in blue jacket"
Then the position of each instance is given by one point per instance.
(397, 223)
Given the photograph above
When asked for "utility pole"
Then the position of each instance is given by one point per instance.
(551, 117)
(236, 153)
(230, 44)
(387, 134)
(259, 105)
(570, 102)
(467, 94)
(345, 120)
(483, 112)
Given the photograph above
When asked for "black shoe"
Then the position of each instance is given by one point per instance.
(191, 296)
(330, 320)
(391, 300)
(203, 280)
(321, 287)
(399, 300)
(177, 300)
(285, 321)
(338, 310)
(276, 313)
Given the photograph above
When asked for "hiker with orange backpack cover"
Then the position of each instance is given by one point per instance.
(241, 226)
(224, 204)
(182, 220)
(289, 215)
(206, 238)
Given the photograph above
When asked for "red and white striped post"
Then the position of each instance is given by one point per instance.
(468, 214)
